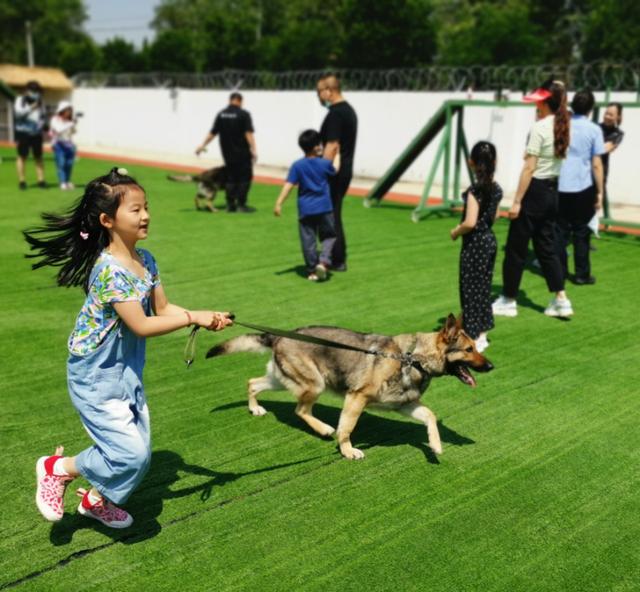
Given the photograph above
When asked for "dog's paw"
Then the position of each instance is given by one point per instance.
(328, 432)
(258, 410)
(353, 454)
(437, 448)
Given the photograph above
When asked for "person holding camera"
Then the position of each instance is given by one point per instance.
(62, 128)
(29, 123)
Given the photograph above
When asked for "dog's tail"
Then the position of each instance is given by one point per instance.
(254, 342)
(182, 178)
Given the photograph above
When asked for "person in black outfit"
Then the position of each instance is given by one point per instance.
(479, 245)
(612, 138)
(238, 145)
(338, 132)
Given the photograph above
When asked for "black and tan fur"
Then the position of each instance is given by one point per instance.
(306, 370)
(209, 183)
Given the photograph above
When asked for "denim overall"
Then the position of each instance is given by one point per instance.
(106, 389)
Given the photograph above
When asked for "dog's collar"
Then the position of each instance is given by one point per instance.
(408, 360)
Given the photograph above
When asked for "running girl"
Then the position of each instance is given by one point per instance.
(94, 245)
(479, 245)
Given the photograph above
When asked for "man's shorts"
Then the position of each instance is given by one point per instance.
(26, 143)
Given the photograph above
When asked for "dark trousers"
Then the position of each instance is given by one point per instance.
(239, 175)
(339, 185)
(574, 212)
(537, 222)
(317, 227)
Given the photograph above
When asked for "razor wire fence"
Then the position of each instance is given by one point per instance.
(596, 76)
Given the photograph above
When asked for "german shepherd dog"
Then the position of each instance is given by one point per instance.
(306, 370)
(209, 183)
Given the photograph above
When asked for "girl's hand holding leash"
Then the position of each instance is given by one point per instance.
(210, 320)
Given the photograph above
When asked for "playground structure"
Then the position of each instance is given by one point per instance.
(449, 119)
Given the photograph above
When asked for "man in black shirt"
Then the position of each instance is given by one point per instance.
(238, 146)
(339, 130)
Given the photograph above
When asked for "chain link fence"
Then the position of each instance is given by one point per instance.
(597, 76)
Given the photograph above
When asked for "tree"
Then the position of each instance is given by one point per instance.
(173, 51)
(612, 30)
(386, 34)
(119, 55)
(493, 32)
(56, 26)
(80, 56)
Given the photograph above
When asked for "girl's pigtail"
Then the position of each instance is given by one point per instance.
(73, 241)
(558, 104)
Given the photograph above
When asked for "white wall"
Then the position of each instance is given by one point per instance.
(154, 120)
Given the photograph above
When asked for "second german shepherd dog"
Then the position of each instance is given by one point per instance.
(307, 369)
(209, 183)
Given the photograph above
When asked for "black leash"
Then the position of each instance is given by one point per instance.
(406, 358)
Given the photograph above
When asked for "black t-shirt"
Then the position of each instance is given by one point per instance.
(613, 135)
(231, 125)
(341, 125)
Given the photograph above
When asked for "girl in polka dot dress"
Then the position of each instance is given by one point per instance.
(479, 245)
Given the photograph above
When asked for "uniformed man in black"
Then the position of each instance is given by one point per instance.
(238, 146)
(338, 132)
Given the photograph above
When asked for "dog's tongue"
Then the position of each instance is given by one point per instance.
(467, 378)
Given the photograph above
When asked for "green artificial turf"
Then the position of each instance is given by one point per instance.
(537, 488)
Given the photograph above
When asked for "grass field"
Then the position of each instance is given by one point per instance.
(537, 489)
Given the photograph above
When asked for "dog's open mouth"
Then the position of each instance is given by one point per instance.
(462, 373)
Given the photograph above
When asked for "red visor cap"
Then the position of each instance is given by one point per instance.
(537, 95)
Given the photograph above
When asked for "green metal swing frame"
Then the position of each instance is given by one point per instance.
(449, 119)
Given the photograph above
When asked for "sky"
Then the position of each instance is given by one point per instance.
(128, 19)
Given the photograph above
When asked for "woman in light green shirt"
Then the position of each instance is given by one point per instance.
(534, 209)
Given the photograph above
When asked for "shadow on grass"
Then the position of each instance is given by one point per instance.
(300, 270)
(371, 431)
(146, 503)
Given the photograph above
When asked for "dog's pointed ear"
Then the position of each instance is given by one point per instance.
(451, 328)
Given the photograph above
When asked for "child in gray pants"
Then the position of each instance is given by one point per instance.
(315, 211)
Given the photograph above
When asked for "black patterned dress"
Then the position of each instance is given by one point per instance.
(477, 260)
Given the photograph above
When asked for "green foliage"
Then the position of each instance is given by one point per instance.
(82, 55)
(56, 27)
(119, 55)
(386, 34)
(498, 32)
(612, 29)
(206, 35)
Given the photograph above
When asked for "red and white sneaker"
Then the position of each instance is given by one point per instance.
(50, 488)
(104, 511)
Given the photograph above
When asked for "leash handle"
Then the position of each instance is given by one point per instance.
(190, 348)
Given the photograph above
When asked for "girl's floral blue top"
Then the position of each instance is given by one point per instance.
(113, 283)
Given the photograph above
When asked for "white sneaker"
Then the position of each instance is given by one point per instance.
(482, 343)
(559, 308)
(321, 271)
(505, 307)
(63, 186)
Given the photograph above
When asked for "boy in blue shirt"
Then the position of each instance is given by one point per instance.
(315, 211)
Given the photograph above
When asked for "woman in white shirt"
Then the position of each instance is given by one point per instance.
(534, 210)
(62, 128)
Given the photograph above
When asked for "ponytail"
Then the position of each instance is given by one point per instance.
(483, 156)
(558, 104)
(72, 241)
